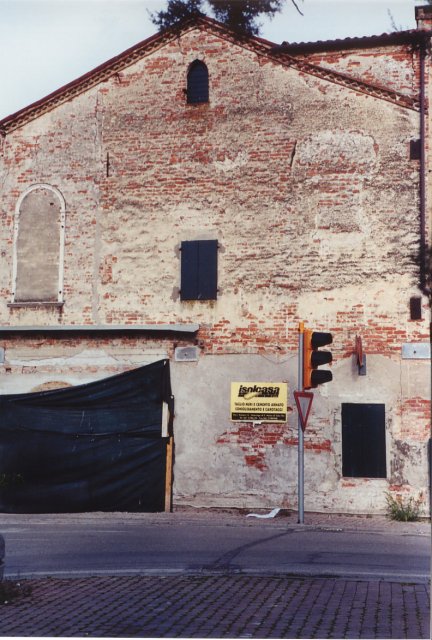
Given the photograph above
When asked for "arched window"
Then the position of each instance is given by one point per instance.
(197, 83)
(39, 246)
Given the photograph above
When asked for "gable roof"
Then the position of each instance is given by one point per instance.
(280, 54)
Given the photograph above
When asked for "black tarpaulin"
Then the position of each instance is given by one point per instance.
(94, 447)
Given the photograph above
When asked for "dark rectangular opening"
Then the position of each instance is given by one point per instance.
(415, 308)
(415, 149)
(363, 441)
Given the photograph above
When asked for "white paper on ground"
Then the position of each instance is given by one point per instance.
(272, 514)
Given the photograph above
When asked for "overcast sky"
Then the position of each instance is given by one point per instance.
(45, 44)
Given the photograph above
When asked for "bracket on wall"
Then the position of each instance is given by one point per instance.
(361, 357)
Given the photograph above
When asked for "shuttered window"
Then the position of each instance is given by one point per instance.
(197, 83)
(363, 441)
(199, 270)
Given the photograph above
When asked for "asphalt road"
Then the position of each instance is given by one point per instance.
(113, 544)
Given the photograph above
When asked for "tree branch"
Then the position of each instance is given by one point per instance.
(297, 7)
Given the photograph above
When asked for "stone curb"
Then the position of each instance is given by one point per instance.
(216, 517)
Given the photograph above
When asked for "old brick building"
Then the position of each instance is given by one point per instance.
(194, 199)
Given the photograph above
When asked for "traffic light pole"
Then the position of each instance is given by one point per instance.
(300, 491)
(310, 358)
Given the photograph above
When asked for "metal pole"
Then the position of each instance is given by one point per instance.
(300, 430)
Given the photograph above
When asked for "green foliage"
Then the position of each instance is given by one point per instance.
(176, 11)
(239, 15)
(407, 510)
(242, 15)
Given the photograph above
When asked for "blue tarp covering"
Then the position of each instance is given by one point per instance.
(94, 447)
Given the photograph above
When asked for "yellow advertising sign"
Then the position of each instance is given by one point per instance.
(259, 401)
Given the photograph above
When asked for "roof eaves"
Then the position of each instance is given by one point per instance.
(411, 36)
(277, 53)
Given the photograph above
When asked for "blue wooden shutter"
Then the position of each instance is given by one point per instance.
(199, 270)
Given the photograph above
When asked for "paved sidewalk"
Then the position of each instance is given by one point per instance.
(235, 517)
(346, 522)
(218, 606)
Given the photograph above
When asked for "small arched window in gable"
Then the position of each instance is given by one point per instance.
(39, 246)
(197, 83)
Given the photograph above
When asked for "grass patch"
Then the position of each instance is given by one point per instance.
(407, 510)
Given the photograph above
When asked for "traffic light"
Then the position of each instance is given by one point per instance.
(312, 358)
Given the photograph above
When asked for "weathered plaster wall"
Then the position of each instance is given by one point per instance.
(309, 189)
(395, 66)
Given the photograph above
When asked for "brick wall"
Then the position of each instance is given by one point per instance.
(309, 188)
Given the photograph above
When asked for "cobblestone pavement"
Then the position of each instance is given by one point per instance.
(227, 606)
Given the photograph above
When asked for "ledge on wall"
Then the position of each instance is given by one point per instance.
(30, 305)
(98, 329)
